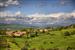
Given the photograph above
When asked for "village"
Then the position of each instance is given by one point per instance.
(25, 32)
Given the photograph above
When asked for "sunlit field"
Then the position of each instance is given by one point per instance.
(62, 38)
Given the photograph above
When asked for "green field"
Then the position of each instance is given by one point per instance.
(52, 40)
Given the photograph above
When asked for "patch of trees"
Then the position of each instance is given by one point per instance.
(3, 43)
(2, 32)
(67, 33)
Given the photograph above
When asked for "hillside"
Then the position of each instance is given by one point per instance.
(55, 40)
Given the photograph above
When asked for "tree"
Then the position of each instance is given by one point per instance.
(66, 33)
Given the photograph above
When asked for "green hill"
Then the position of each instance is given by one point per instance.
(54, 40)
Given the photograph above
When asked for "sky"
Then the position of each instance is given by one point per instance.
(35, 7)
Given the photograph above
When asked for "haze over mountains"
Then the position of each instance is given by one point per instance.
(39, 20)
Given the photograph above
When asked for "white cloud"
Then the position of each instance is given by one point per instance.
(36, 18)
(9, 19)
(46, 15)
(37, 15)
(19, 13)
(10, 14)
(9, 2)
(56, 15)
(73, 13)
(5, 13)
(15, 2)
(1, 4)
(65, 2)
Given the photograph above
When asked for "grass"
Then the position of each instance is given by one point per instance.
(55, 39)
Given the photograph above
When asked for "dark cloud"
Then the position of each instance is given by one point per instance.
(7, 3)
(1, 1)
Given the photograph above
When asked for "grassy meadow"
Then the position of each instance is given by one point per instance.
(62, 38)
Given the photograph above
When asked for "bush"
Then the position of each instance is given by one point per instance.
(33, 49)
(69, 48)
(51, 42)
(66, 33)
(24, 48)
(2, 33)
(73, 32)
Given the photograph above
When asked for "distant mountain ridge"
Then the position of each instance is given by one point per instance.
(22, 22)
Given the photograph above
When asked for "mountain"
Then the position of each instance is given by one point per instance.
(22, 22)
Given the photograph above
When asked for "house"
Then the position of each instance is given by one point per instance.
(46, 30)
(9, 33)
(17, 33)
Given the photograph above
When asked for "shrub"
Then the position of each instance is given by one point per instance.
(56, 48)
(24, 48)
(66, 33)
(51, 42)
(33, 49)
(69, 48)
(73, 32)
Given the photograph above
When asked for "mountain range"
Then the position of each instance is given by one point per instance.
(22, 22)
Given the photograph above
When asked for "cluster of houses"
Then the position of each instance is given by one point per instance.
(43, 30)
(16, 33)
(21, 33)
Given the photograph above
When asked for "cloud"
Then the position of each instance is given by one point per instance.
(67, 2)
(10, 19)
(56, 15)
(10, 14)
(37, 15)
(46, 15)
(6, 13)
(36, 18)
(20, 14)
(73, 13)
(5, 3)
